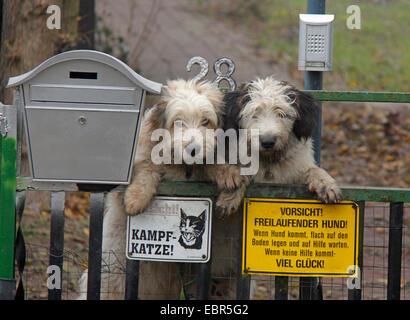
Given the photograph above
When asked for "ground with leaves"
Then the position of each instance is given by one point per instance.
(367, 144)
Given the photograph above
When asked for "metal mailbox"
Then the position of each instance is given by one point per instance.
(82, 111)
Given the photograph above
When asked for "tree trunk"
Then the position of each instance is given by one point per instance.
(86, 25)
(25, 39)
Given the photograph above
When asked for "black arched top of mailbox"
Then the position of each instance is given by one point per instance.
(91, 55)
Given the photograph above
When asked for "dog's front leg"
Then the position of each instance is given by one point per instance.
(232, 186)
(320, 182)
(229, 201)
(143, 187)
(226, 176)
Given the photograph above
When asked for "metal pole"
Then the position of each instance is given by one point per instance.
(57, 242)
(311, 288)
(395, 246)
(314, 81)
(95, 245)
(243, 283)
(205, 275)
(356, 294)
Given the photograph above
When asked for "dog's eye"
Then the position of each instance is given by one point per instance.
(282, 115)
(178, 123)
(205, 122)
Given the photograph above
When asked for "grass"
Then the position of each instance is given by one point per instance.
(376, 57)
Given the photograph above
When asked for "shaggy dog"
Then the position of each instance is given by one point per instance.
(284, 119)
(191, 108)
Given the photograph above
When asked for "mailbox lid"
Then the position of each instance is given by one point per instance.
(83, 66)
(81, 145)
(96, 84)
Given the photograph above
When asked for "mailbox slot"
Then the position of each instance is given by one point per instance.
(83, 75)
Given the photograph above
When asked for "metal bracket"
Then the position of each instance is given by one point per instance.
(4, 126)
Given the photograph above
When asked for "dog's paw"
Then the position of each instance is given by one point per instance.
(135, 202)
(227, 203)
(327, 191)
(230, 178)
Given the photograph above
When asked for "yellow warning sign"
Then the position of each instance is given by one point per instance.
(300, 237)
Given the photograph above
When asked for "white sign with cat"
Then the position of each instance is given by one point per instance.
(171, 229)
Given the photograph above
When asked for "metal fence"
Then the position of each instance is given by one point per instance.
(383, 259)
(383, 255)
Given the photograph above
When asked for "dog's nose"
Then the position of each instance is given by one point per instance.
(192, 149)
(267, 142)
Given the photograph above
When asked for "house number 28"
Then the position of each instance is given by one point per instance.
(220, 75)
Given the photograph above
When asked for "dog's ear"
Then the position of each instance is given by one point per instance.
(214, 95)
(234, 101)
(307, 108)
(211, 91)
(156, 116)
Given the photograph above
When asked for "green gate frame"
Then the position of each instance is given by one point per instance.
(7, 194)
(8, 162)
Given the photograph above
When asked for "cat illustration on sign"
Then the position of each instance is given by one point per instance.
(192, 228)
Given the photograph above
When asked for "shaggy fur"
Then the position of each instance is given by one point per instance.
(189, 105)
(285, 119)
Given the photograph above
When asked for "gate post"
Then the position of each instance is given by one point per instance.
(314, 81)
(95, 246)
(311, 288)
(356, 293)
(243, 283)
(8, 151)
(395, 248)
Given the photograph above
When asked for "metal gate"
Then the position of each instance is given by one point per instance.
(12, 202)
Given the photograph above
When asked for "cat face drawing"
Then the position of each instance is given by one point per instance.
(192, 228)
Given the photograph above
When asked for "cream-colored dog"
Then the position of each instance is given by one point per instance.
(189, 109)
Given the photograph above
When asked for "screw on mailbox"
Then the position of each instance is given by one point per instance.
(82, 120)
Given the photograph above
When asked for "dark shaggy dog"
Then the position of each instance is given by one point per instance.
(284, 119)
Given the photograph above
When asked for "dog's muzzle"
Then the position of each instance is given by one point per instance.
(192, 149)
